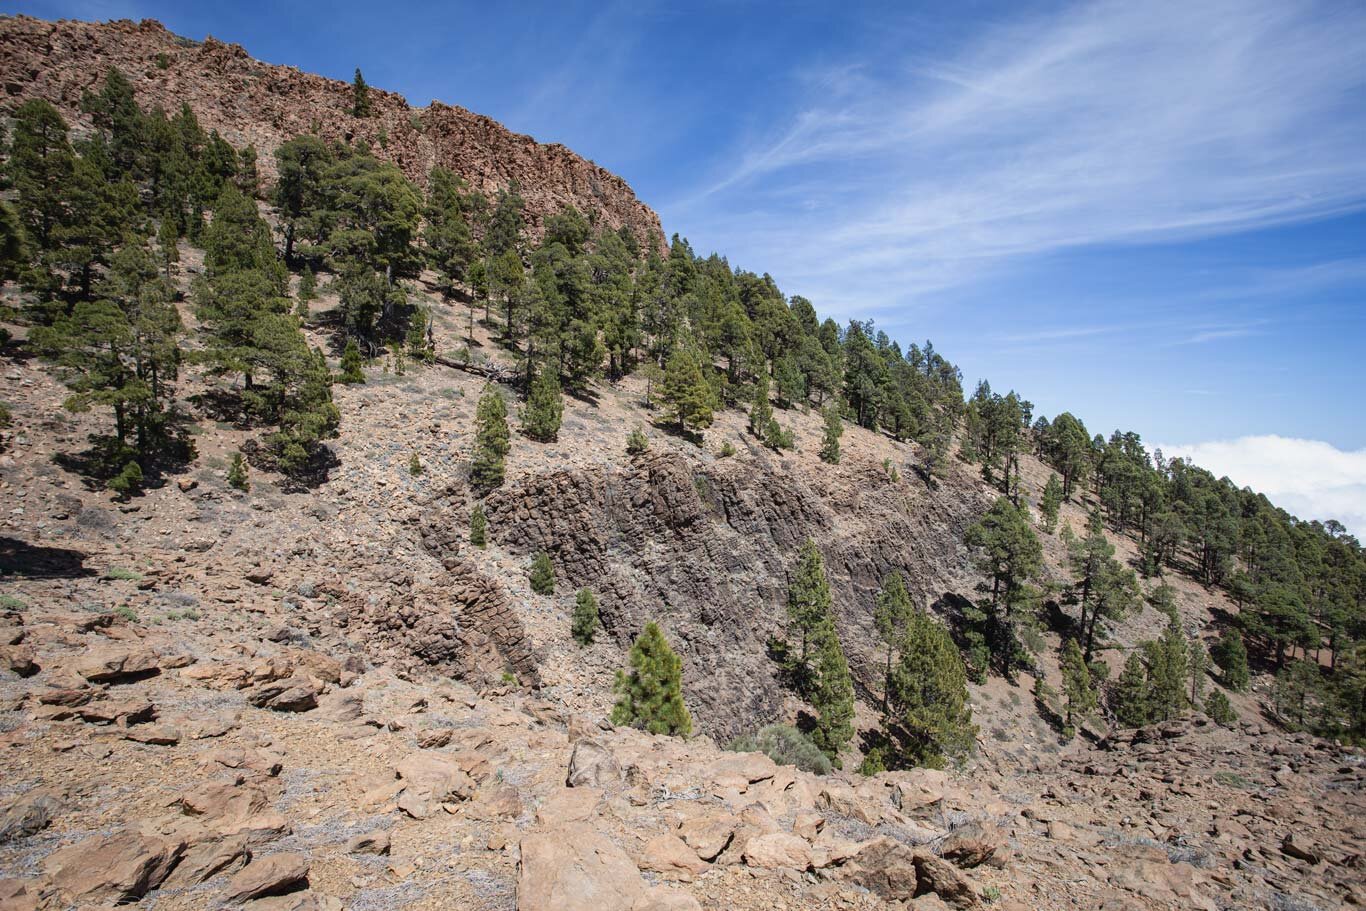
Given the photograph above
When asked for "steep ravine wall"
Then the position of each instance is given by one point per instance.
(705, 548)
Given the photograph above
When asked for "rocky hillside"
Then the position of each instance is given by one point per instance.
(309, 693)
(250, 102)
(215, 697)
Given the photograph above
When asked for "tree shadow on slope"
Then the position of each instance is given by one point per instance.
(35, 561)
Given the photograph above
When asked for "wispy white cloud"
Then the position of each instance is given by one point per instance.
(1308, 478)
(1110, 122)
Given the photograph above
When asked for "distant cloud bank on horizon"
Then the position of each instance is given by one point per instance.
(1311, 479)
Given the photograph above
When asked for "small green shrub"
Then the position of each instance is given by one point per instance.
(785, 745)
(585, 621)
(479, 527)
(542, 576)
(125, 575)
(9, 602)
(727, 449)
(126, 613)
(128, 481)
(237, 473)
(414, 465)
(637, 442)
(1219, 710)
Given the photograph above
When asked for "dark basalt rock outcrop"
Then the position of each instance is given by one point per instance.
(705, 548)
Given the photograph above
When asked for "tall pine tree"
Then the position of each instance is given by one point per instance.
(650, 697)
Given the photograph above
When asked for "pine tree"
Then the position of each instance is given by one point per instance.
(928, 719)
(542, 575)
(585, 622)
(168, 237)
(834, 429)
(237, 473)
(1051, 501)
(892, 617)
(1220, 710)
(760, 411)
(419, 347)
(544, 407)
(414, 465)
(1163, 599)
(686, 391)
(1130, 698)
(1076, 684)
(1168, 669)
(121, 351)
(40, 167)
(479, 527)
(787, 376)
(308, 291)
(351, 364)
(651, 696)
(808, 609)
(636, 441)
(491, 441)
(360, 96)
(1231, 655)
(819, 667)
(833, 695)
(298, 396)
(1196, 665)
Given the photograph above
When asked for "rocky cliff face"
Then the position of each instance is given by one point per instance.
(704, 545)
(248, 101)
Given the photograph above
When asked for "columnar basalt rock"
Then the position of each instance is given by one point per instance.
(705, 548)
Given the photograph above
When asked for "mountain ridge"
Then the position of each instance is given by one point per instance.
(265, 104)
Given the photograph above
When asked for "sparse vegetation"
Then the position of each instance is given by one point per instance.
(785, 745)
(479, 527)
(585, 621)
(237, 473)
(542, 576)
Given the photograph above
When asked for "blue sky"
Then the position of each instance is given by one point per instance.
(1151, 214)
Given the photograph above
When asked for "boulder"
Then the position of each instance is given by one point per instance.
(972, 845)
(778, 851)
(575, 868)
(233, 808)
(112, 869)
(593, 765)
(204, 861)
(670, 855)
(841, 799)
(265, 876)
(1298, 848)
(117, 711)
(377, 842)
(153, 734)
(708, 834)
(118, 665)
(19, 659)
(568, 805)
(895, 872)
(26, 815)
(430, 780)
(293, 694)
